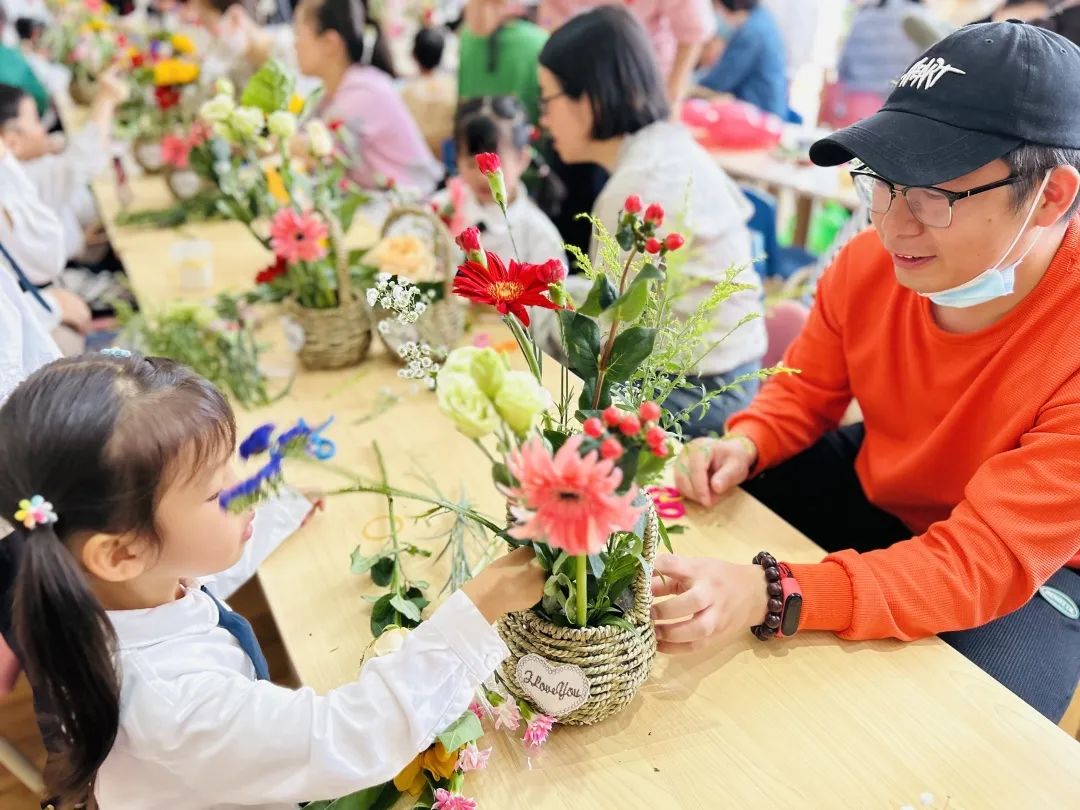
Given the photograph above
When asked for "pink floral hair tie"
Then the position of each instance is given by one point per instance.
(35, 512)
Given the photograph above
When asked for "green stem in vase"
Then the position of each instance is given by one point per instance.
(525, 343)
(582, 588)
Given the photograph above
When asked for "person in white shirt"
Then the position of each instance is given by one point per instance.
(31, 236)
(602, 100)
(121, 628)
(62, 177)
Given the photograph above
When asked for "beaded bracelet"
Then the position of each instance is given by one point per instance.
(768, 628)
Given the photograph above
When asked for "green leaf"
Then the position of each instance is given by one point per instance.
(602, 295)
(269, 89)
(664, 538)
(406, 608)
(650, 466)
(625, 237)
(556, 439)
(629, 351)
(501, 474)
(596, 565)
(382, 615)
(361, 564)
(582, 343)
(676, 529)
(585, 401)
(383, 571)
(464, 730)
(570, 607)
(380, 797)
(630, 305)
(611, 620)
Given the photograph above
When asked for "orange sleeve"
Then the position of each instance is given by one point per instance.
(1018, 524)
(792, 411)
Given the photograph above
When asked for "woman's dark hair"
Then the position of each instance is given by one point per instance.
(740, 5)
(362, 35)
(428, 48)
(493, 123)
(28, 28)
(606, 55)
(10, 99)
(100, 438)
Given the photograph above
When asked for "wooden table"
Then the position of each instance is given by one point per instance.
(806, 723)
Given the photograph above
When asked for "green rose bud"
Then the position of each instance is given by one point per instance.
(486, 366)
(247, 123)
(461, 399)
(520, 401)
(282, 124)
(218, 109)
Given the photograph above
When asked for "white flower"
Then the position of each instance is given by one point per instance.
(224, 87)
(392, 640)
(247, 122)
(247, 177)
(282, 124)
(218, 109)
(320, 140)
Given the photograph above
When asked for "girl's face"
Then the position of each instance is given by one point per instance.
(312, 46)
(514, 163)
(197, 536)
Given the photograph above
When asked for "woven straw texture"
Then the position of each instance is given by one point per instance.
(615, 660)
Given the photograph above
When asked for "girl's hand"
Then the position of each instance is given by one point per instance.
(513, 582)
(712, 602)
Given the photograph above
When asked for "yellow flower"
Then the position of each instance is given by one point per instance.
(296, 104)
(97, 24)
(404, 255)
(173, 71)
(411, 779)
(276, 185)
(439, 762)
(182, 44)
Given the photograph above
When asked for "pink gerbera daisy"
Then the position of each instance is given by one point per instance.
(297, 237)
(445, 800)
(569, 501)
(175, 151)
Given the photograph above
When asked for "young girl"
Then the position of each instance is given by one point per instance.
(498, 124)
(158, 687)
(336, 41)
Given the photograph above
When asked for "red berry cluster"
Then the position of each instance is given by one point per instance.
(644, 228)
(643, 425)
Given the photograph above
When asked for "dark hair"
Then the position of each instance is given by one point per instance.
(28, 28)
(492, 123)
(606, 55)
(100, 438)
(428, 48)
(739, 5)
(1031, 162)
(10, 99)
(363, 38)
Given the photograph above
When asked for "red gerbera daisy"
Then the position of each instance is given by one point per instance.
(508, 290)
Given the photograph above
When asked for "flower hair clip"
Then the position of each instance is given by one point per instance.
(35, 512)
(113, 351)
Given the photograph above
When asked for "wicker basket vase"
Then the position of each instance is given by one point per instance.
(443, 323)
(82, 91)
(148, 154)
(185, 183)
(338, 336)
(613, 661)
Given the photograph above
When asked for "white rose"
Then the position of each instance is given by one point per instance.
(247, 177)
(247, 122)
(390, 641)
(282, 124)
(217, 109)
(224, 87)
(319, 138)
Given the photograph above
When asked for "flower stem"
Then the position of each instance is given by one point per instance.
(582, 588)
(525, 343)
(605, 355)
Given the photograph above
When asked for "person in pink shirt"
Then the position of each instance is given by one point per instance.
(677, 29)
(337, 42)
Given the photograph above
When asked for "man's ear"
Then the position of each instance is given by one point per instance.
(1061, 190)
(117, 557)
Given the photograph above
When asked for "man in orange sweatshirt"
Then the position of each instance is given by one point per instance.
(954, 508)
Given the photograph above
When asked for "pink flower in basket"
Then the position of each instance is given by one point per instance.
(445, 800)
(569, 501)
(175, 151)
(298, 237)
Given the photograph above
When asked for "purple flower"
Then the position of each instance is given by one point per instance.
(258, 441)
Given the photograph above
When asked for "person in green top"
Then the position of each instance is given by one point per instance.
(16, 71)
(498, 54)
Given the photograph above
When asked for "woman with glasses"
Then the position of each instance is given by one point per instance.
(953, 508)
(603, 102)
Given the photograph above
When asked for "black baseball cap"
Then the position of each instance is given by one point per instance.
(970, 99)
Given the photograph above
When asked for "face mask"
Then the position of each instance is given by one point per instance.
(996, 282)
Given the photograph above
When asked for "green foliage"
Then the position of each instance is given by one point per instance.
(217, 343)
(269, 89)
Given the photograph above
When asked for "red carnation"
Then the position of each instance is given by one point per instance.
(166, 97)
(509, 290)
(469, 240)
(552, 271)
(654, 214)
(268, 274)
(488, 163)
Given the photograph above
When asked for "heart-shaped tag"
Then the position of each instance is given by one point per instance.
(555, 689)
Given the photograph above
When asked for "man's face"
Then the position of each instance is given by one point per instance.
(24, 135)
(934, 259)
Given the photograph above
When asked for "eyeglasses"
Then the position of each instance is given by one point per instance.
(931, 205)
(544, 101)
